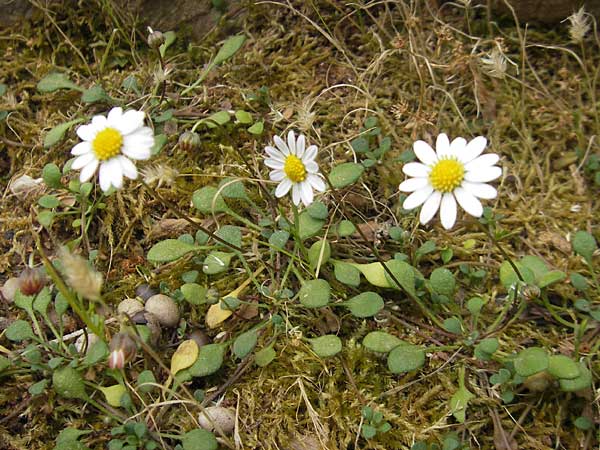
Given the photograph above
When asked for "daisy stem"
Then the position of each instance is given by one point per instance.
(502, 251)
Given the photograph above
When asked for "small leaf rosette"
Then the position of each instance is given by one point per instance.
(111, 143)
(453, 173)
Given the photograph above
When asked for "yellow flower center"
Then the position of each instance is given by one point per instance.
(294, 169)
(446, 175)
(107, 144)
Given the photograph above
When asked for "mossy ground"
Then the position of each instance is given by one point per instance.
(327, 66)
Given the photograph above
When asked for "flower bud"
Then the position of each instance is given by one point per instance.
(122, 350)
(31, 281)
(189, 141)
(156, 39)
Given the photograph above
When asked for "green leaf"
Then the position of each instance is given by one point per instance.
(366, 304)
(368, 431)
(24, 301)
(486, 348)
(531, 361)
(346, 228)
(68, 383)
(42, 300)
(453, 325)
(535, 264)
(374, 273)
(94, 94)
(404, 274)
(159, 142)
(233, 188)
(554, 276)
(279, 238)
(315, 293)
(56, 81)
(38, 388)
(360, 144)
(4, 363)
(243, 116)
(406, 358)
(48, 201)
(45, 218)
(130, 84)
(55, 135)
(207, 201)
(113, 394)
(345, 174)
(425, 249)
(346, 273)
(145, 381)
(257, 128)
(265, 356)
(169, 250)
(97, 352)
(308, 226)
(319, 253)
(210, 359)
(561, 366)
(230, 234)
(170, 37)
(318, 210)
(216, 262)
(52, 175)
(584, 244)
(229, 48)
(579, 282)
(501, 377)
(194, 293)
(199, 440)
(217, 119)
(509, 278)
(379, 341)
(459, 402)
(244, 343)
(442, 281)
(474, 305)
(326, 346)
(583, 423)
(583, 381)
(19, 331)
(3, 89)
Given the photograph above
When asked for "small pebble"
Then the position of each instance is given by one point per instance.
(165, 309)
(223, 417)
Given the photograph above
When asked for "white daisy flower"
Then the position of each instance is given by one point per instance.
(453, 173)
(112, 142)
(295, 168)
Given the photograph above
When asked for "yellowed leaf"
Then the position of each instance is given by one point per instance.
(113, 394)
(374, 273)
(217, 315)
(185, 355)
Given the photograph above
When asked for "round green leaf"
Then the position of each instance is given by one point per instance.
(265, 356)
(319, 253)
(404, 274)
(19, 330)
(583, 381)
(244, 343)
(308, 226)
(584, 244)
(315, 293)
(68, 383)
(442, 281)
(326, 346)
(145, 381)
(317, 210)
(169, 250)
(210, 359)
(366, 304)
(52, 175)
(405, 358)
(563, 367)
(55, 81)
(345, 174)
(194, 293)
(199, 440)
(346, 228)
(216, 262)
(346, 273)
(531, 361)
(48, 201)
(380, 341)
(207, 201)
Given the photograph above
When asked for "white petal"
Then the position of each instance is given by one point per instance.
(274, 163)
(457, 146)
(311, 167)
(131, 121)
(484, 174)
(100, 122)
(481, 190)
(473, 149)
(482, 161)
(137, 145)
(114, 172)
(128, 167)
(424, 152)
(81, 148)
(83, 160)
(276, 175)
(430, 207)
(283, 187)
(274, 153)
(310, 154)
(114, 117)
(415, 169)
(468, 202)
(417, 198)
(300, 146)
(87, 132)
(88, 171)
(296, 194)
(306, 193)
(316, 182)
(413, 184)
(283, 148)
(442, 145)
(104, 176)
(291, 141)
(448, 210)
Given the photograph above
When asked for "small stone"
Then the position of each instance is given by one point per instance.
(165, 309)
(80, 343)
(10, 288)
(130, 307)
(224, 418)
